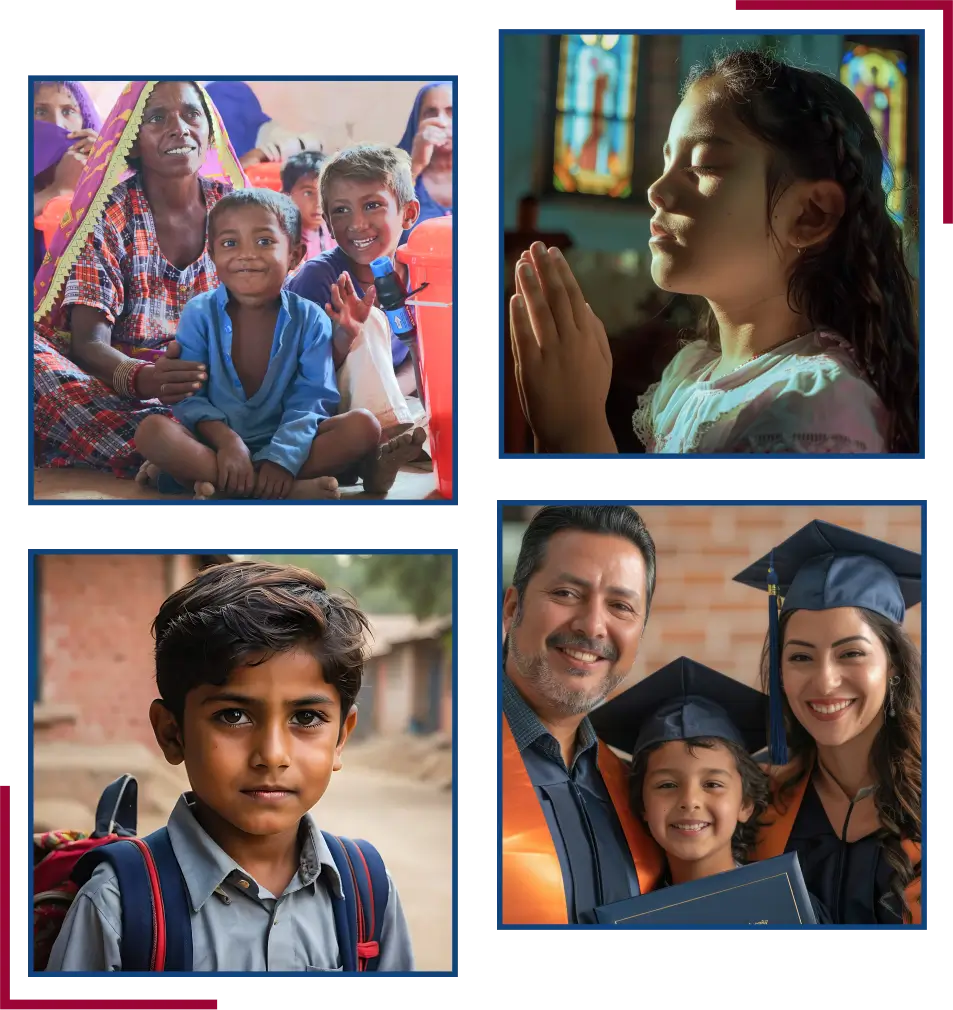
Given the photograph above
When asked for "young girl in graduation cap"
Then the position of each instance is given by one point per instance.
(844, 684)
(691, 732)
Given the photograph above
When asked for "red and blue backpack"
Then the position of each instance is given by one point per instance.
(156, 922)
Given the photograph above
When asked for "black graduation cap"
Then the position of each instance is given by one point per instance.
(821, 567)
(683, 700)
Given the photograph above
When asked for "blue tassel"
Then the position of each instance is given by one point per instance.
(779, 744)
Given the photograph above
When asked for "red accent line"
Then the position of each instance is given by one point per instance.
(158, 908)
(370, 890)
(361, 935)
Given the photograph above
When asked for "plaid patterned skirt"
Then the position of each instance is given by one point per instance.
(80, 421)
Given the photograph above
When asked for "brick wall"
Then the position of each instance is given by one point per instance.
(95, 613)
(699, 612)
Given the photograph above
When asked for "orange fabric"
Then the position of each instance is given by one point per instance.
(773, 838)
(646, 854)
(533, 892)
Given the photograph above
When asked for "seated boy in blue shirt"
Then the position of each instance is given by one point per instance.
(367, 192)
(264, 425)
(258, 667)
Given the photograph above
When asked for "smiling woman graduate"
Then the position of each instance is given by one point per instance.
(844, 685)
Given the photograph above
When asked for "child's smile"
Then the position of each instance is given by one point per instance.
(693, 803)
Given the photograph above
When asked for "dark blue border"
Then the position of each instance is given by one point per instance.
(31, 693)
(440, 503)
(501, 928)
(922, 268)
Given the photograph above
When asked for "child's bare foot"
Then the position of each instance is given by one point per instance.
(380, 475)
(315, 487)
(202, 490)
(148, 474)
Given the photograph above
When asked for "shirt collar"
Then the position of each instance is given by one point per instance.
(205, 866)
(526, 726)
(221, 298)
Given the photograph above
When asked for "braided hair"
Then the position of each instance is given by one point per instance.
(856, 281)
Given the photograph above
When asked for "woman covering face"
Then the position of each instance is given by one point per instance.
(844, 685)
(428, 139)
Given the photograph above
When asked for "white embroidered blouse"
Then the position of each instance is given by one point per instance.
(805, 396)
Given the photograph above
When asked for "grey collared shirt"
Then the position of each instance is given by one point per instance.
(237, 925)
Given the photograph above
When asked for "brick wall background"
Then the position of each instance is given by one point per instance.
(697, 610)
(95, 643)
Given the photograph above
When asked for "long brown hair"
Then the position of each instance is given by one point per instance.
(894, 754)
(856, 281)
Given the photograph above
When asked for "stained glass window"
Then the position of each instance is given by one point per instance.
(595, 114)
(878, 77)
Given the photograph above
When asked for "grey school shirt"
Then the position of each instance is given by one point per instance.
(237, 925)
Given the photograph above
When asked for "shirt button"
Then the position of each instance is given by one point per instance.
(243, 883)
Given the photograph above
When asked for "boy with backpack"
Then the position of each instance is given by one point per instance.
(258, 667)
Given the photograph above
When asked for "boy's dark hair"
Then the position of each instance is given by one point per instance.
(370, 163)
(301, 166)
(755, 789)
(243, 609)
(856, 282)
(611, 520)
(135, 163)
(282, 206)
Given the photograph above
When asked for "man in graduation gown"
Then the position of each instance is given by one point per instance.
(573, 620)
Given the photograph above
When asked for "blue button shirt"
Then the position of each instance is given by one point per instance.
(313, 281)
(298, 392)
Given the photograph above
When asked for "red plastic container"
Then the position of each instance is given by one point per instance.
(48, 220)
(429, 255)
(266, 175)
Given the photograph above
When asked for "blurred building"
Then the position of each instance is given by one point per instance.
(697, 610)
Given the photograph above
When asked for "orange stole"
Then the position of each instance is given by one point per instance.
(533, 892)
(773, 838)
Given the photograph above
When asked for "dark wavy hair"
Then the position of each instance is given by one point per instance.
(856, 281)
(245, 612)
(894, 754)
(755, 789)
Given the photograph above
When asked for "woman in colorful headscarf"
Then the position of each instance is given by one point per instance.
(130, 253)
(65, 125)
(428, 139)
(255, 136)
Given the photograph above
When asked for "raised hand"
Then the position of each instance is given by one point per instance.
(348, 312)
(431, 133)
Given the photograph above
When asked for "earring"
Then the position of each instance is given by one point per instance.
(891, 684)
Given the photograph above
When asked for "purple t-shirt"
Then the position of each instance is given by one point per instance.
(313, 281)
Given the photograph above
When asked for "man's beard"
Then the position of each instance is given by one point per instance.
(563, 699)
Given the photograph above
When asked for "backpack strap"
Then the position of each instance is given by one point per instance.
(345, 909)
(156, 923)
(365, 886)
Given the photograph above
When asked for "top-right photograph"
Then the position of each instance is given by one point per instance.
(712, 243)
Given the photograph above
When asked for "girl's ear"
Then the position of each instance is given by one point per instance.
(747, 809)
(822, 204)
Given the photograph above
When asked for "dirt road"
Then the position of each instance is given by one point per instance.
(411, 825)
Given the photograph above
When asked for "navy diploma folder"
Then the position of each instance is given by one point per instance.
(768, 893)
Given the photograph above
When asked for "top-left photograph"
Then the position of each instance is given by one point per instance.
(243, 291)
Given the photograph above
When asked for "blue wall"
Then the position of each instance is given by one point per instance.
(526, 118)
